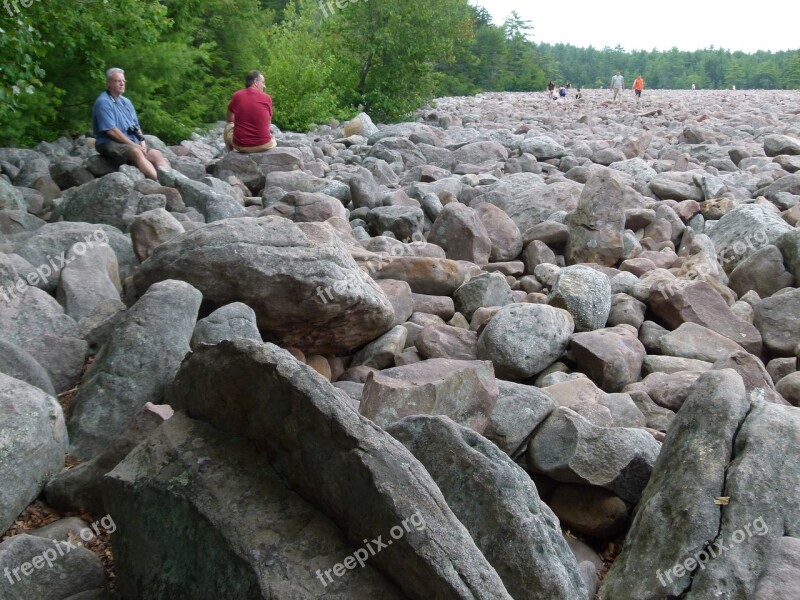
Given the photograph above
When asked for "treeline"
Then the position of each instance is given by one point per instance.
(322, 59)
(505, 58)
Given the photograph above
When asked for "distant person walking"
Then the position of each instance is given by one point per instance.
(551, 88)
(617, 85)
(638, 86)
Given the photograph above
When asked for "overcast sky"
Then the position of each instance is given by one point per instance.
(642, 25)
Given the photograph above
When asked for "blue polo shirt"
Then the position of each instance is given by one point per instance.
(108, 113)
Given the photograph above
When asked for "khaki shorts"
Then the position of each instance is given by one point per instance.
(228, 136)
(119, 153)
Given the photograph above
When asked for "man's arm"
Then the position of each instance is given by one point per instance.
(117, 135)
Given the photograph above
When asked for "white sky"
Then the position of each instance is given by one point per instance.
(643, 25)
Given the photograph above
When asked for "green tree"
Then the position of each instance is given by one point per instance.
(388, 52)
(792, 74)
(299, 68)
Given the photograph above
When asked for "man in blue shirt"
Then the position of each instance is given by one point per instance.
(118, 135)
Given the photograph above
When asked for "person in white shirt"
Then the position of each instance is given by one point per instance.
(617, 85)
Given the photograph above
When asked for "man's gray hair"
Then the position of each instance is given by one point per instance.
(112, 71)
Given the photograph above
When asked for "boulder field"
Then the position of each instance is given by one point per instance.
(512, 348)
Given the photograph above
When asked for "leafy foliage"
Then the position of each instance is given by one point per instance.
(322, 60)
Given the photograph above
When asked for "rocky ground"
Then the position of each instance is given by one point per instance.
(461, 357)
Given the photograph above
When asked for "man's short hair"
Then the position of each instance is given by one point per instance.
(113, 71)
(251, 78)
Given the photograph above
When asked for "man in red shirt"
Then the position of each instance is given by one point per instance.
(249, 116)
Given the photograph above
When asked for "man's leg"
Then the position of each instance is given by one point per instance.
(139, 160)
(228, 136)
(157, 159)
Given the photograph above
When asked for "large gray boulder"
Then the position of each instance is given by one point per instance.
(11, 198)
(79, 488)
(110, 200)
(212, 204)
(487, 289)
(499, 505)
(230, 322)
(300, 280)
(46, 249)
(36, 323)
(243, 533)
(596, 227)
(17, 363)
(676, 516)
(459, 230)
(89, 279)
(777, 322)
(743, 231)
(518, 412)
(152, 228)
(134, 367)
(524, 339)
(568, 448)
(63, 570)
(32, 445)
(585, 293)
(762, 484)
(350, 469)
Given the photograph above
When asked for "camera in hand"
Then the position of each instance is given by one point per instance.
(137, 131)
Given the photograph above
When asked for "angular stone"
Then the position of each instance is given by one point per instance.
(380, 352)
(568, 448)
(444, 341)
(17, 363)
(425, 275)
(32, 445)
(499, 506)
(459, 230)
(694, 341)
(698, 302)
(503, 232)
(230, 322)
(766, 506)
(134, 367)
(89, 279)
(309, 432)
(244, 534)
(519, 410)
(73, 569)
(299, 279)
(487, 289)
(464, 390)
(596, 227)
(152, 228)
(612, 357)
(676, 516)
(776, 320)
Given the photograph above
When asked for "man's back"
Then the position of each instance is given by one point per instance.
(253, 113)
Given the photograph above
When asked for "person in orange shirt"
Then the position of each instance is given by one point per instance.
(638, 86)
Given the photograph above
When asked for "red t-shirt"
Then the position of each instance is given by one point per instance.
(252, 111)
